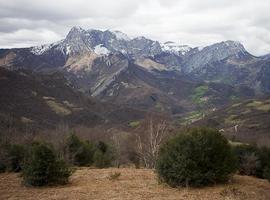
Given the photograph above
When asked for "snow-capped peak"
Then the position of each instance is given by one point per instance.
(175, 48)
(101, 50)
(231, 42)
(76, 28)
(39, 50)
(200, 48)
(75, 32)
(120, 35)
(231, 47)
(139, 38)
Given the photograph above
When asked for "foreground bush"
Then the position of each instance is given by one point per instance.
(247, 159)
(253, 161)
(103, 156)
(80, 152)
(196, 158)
(3, 158)
(16, 154)
(2, 167)
(42, 167)
(264, 168)
(11, 158)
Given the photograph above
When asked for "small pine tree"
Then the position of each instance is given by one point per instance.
(266, 173)
(12, 156)
(84, 155)
(253, 160)
(3, 158)
(16, 154)
(102, 146)
(264, 169)
(42, 167)
(248, 160)
(73, 143)
(199, 157)
(2, 167)
(103, 155)
(80, 152)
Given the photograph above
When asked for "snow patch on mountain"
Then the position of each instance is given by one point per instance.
(101, 50)
(120, 35)
(173, 47)
(234, 43)
(39, 50)
(68, 50)
(200, 48)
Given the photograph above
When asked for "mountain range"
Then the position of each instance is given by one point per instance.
(138, 75)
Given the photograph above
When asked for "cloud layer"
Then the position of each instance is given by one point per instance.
(193, 22)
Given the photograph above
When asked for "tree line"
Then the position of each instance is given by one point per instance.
(192, 157)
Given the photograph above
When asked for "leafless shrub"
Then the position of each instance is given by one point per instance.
(233, 193)
(250, 163)
(114, 176)
(148, 142)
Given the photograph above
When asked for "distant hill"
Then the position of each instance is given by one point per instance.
(247, 121)
(33, 101)
(106, 77)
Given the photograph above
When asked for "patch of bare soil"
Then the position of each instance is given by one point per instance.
(135, 184)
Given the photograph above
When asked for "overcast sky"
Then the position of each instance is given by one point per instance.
(193, 22)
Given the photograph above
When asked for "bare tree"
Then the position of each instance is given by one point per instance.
(148, 142)
(119, 141)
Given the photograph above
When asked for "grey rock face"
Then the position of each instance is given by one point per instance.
(216, 52)
(263, 77)
(142, 46)
(79, 41)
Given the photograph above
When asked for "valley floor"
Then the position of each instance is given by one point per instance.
(135, 184)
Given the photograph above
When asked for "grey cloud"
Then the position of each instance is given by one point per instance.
(24, 38)
(66, 10)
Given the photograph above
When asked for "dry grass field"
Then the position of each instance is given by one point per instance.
(135, 184)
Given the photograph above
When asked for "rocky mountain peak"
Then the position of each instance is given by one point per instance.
(120, 35)
(232, 46)
(213, 53)
(75, 32)
(175, 48)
